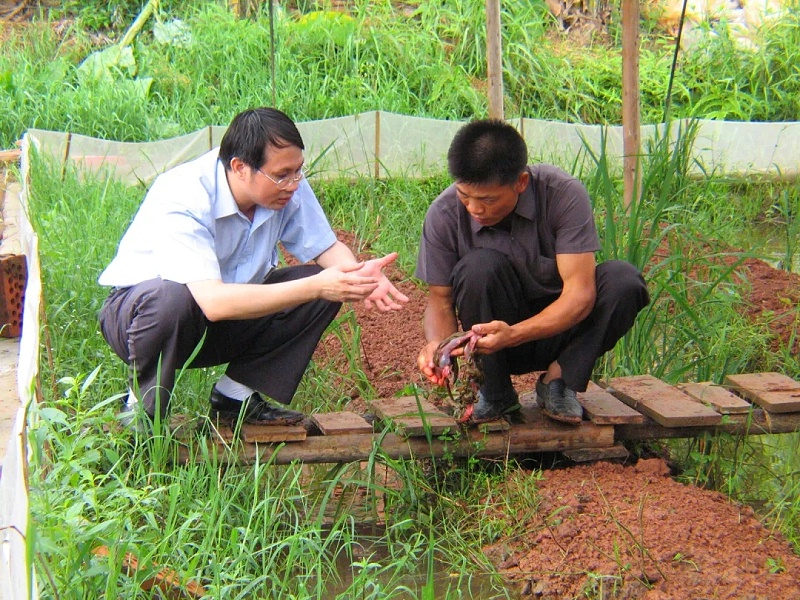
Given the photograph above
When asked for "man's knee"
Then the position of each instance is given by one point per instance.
(619, 280)
(172, 300)
(292, 273)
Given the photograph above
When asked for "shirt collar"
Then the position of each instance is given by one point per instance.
(225, 204)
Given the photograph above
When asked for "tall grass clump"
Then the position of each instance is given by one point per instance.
(694, 328)
(694, 311)
(40, 88)
(722, 80)
(384, 215)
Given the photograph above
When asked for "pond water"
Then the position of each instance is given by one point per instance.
(369, 558)
(778, 246)
(370, 552)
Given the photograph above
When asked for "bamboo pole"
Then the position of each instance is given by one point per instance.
(494, 59)
(631, 141)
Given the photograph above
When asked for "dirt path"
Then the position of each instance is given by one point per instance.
(617, 531)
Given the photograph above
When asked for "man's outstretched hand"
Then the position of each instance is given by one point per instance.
(386, 297)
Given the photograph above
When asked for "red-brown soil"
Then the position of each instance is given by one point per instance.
(606, 530)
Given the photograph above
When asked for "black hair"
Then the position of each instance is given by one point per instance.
(252, 131)
(486, 152)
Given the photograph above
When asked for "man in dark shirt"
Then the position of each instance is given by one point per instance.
(509, 251)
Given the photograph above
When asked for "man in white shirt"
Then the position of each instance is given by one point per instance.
(194, 282)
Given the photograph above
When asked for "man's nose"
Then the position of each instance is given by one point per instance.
(474, 208)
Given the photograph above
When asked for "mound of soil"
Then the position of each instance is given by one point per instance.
(607, 530)
(611, 531)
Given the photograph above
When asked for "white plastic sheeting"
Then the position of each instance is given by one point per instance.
(376, 144)
(389, 145)
(17, 578)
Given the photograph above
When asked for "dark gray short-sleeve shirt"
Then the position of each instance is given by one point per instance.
(553, 216)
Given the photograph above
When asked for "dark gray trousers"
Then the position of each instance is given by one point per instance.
(486, 287)
(156, 326)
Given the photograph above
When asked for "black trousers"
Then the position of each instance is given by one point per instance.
(156, 326)
(486, 287)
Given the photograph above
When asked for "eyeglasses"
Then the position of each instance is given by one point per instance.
(284, 182)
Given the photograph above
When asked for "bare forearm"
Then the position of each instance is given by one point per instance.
(572, 306)
(439, 320)
(338, 254)
(227, 301)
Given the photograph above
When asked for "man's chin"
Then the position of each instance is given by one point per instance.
(279, 203)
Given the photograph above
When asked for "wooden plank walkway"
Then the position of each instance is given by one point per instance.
(623, 409)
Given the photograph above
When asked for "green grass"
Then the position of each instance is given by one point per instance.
(428, 63)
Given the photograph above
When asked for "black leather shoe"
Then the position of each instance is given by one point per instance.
(484, 411)
(255, 410)
(558, 401)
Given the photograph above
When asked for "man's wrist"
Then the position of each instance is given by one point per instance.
(519, 334)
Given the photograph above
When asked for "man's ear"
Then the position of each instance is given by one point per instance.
(239, 168)
(522, 182)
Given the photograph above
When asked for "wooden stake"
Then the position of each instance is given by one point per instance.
(630, 102)
(494, 59)
(377, 144)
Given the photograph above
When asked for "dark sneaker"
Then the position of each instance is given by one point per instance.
(254, 410)
(484, 411)
(558, 401)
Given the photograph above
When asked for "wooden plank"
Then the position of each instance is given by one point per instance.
(531, 414)
(12, 155)
(591, 454)
(756, 422)
(773, 392)
(604, 409)
(165, 580)
(546, 436)
(414, 416)
(533, 420)
(599, 406)
(717, 397)
(183, 428)
(337, 423)
(665, 404)
(221, 433)
(272, 433)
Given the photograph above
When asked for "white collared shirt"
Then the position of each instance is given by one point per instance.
(189, 228)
